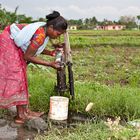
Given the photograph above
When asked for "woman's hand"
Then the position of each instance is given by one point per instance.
(55, 65)
(54, 52)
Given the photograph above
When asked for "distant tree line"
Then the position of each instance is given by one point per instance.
(7, 18)
(90, 23)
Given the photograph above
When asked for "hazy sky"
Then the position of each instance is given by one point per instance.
(75, 9)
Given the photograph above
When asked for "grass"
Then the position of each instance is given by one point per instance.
(108, 101)
(80, 41)
(99, 131)
(104, 33)
(116, 101)
(106, 72)
(96, 131)
(97, 38)
(107, 65)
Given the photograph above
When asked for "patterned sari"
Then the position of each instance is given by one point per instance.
(13, 80)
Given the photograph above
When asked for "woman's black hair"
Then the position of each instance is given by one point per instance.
(58, 22)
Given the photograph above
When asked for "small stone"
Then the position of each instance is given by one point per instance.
(88, 107)
(37, 124)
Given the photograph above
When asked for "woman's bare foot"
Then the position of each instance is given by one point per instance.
(36, 114)
(19, 120)
(23, 115)
(22, 118)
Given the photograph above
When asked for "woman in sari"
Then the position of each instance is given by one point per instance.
(20, 44)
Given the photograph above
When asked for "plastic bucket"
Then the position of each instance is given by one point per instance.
(58, 108)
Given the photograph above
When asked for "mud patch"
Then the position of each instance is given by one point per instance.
(74, 118)
(11, 131)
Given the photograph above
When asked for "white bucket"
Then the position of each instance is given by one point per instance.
(58, 108)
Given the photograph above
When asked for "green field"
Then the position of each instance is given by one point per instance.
(106, 67)
(102, 38)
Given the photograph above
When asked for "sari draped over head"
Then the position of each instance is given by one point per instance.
(13, 79)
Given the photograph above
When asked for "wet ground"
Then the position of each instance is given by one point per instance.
(11, 131)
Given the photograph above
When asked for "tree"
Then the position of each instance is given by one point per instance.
(78, 23)
(138, 17)
(7, 17)
(129, 21)
(94, 21)
(87, 21)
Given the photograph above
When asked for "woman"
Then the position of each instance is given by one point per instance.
(20, 44)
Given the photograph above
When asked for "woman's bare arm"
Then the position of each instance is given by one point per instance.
(29, 56)
(53, 52)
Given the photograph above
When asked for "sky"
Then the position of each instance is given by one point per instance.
(75, 9)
